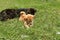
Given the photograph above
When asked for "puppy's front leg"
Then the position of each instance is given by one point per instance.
(31, 24)
(25, 24)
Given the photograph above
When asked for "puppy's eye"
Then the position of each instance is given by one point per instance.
(25, 19)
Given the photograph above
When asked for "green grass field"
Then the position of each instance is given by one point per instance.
(46, 22)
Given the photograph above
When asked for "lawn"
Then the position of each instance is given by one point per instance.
(46, 22)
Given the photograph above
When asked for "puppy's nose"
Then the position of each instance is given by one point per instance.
(30, 24)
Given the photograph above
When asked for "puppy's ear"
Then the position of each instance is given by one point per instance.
(32, 16)
(32, 11)
(22, 12)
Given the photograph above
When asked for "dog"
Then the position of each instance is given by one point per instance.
(31, 11)
(13, 13)
(27, 10)
(8, 14)
(27, 19)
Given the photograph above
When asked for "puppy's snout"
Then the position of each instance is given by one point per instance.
(30, 23)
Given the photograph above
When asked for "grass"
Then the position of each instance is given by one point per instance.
(46, 22)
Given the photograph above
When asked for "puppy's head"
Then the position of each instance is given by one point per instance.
(29, 19)
(31, 11)
(29, 16)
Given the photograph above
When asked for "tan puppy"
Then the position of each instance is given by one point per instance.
(27, 19)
